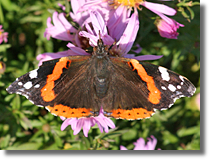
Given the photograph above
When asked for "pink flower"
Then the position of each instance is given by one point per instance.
(159, 9)
(86, 123)
(3, 35)
(168, 29)
(140, 144)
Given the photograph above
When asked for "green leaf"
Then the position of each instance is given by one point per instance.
(16, 102)
(188, 131)
(169, 138)
(1, 15)
(86, 142)
(31, 19)
(9, 97)
(9, 6)
(192, 15)
(4, 141)
(25, 123)
(4, 47)
(58, 140)
(131, 134)
(26, 146)
(113, 134)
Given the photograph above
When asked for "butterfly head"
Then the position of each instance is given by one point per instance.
(100, 51)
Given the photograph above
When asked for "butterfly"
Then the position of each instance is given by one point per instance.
(78, 86)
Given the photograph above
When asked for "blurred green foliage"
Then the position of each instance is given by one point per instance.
(26, 126)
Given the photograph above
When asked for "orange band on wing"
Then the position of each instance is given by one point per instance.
(135, 113)
(47, 92)
(67, 112)
(154, 95)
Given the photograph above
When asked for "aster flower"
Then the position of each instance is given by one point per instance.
(3, 35)
(140, 144)
(159, 9)
(77, 124)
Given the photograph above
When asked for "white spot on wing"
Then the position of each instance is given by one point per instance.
(33, 74)
(27, 85)
(20, 83)
(171, 87)
(164, 73)
(178, 87)
(182, 78)
(163, 88)
(37, 86)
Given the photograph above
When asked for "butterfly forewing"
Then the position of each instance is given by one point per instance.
(63, 86)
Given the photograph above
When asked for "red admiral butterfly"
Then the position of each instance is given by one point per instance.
(78, 86)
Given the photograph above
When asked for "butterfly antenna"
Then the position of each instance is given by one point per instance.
(99, 33)
(111, 46)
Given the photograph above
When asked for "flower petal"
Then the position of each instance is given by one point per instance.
(61, 28)
(123, 148)
(143, 57)
(64, 124)
(73, 122)
(161, 8)
(129, 35)
(79, 126)
(140, 144)
(77, 50)
(49, 56)
(86, 126)
(151, 143)
(101, 123)
(98, 23)
(109, 122)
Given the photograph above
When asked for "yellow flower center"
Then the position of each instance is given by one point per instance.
(129, 3)
(1, 65)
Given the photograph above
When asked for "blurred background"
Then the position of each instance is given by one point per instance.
(26, 126)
